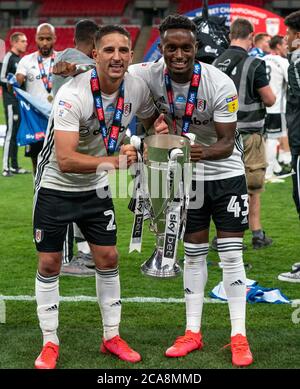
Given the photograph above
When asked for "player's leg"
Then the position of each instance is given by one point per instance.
(99, 228)
(230, 214)
(49, 233)
(8, 108)
(195, 277)
(255, 166)
(33, 151)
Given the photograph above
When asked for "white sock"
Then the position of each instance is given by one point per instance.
(83, 247)
(271, 152)
(284, 157)
(195, 277)
(234, 280)
(47, 298)
(108, 294)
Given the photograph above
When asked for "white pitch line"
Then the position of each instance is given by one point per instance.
(73, 299)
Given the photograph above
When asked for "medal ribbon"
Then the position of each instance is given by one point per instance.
(46, 80)
(110, 140)
(191, 98)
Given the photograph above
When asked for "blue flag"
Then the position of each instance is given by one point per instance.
(34, 116)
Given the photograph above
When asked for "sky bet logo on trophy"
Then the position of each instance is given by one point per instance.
(162, 185)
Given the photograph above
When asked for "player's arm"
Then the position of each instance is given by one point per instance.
(223, 148)
(71, 69)
(70, 161)
(267, 95)
(261, 84)
(21, 78)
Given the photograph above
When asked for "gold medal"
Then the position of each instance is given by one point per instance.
(50, 98)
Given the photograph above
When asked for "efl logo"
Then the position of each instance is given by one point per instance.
(65, 104)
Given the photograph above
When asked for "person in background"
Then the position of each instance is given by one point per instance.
(82, 264)
(254, 93)
(35, 71)
(261, 45)
(292, 22)
(275, 123)
(18, 42)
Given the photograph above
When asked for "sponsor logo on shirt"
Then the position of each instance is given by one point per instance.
(180, 99)
(65, 104)
(110, 108)
(30, 77)
(127, 109)
(201, 105)
(162, 99)
(84, 131)
(232, 103)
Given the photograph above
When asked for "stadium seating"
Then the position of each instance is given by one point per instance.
(64, 36)
(154, 34)
(72, 8)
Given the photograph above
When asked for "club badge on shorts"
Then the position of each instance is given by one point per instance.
(38, 235)
(232, 103)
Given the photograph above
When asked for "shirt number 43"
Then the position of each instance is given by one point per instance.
(238, 206)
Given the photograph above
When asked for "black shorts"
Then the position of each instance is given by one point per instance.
(54, 210)
(226, 202)
(34, 149)
(275, 123)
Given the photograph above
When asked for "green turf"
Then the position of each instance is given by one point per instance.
(150, 328)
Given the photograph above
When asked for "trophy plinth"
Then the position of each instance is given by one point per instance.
(153, 266)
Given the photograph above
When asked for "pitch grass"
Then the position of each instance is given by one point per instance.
(148, 327)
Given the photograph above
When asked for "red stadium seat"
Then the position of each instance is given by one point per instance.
(154, 34)
(70, 8)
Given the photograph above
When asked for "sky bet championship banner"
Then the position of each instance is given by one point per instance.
(262, 20)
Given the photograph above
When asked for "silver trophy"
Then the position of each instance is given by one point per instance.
(167, 179)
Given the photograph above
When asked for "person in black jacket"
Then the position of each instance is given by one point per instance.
(18, 43)
(250, 78)
(292, 22)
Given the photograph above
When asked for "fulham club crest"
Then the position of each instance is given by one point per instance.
(127, 109)
(201, 105)
(38, 235)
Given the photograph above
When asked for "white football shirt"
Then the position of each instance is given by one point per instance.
(216, 94)
(277, 72)
(74, 110)
(29, 67)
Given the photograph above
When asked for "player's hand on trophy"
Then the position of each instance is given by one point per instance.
(196, 152)
(64, 69)
(127, 156)
(160, 126)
